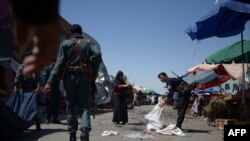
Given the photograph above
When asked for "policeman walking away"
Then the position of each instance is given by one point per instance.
(77, 62)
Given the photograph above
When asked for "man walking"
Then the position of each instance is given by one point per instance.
(176, 85)
(52, 100)
(74, 55)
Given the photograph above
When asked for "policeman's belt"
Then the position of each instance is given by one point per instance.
(75, 69)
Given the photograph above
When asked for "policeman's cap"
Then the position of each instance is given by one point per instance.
(76, 28)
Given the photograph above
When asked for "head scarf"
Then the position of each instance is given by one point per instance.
(119, 73)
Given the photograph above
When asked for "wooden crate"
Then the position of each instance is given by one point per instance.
(219, 123)
(242, 122)
(228, 97)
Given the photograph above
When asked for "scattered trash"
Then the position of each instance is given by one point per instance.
(135, 135)
(110, 133)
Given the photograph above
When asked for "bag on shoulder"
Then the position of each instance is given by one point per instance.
(62, 73)
(183, 88)
(88, 71)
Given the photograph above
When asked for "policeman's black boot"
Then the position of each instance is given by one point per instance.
(56, 120)
(179, 126)
(48, 119)
(72, 136)
(84, 137)
(38, 126)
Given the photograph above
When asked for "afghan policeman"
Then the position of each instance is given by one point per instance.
(75, 53)
(52, 100)
(176, 85)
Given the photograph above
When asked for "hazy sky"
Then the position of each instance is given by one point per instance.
(145, 37)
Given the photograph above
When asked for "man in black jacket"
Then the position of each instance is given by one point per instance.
(176, 85)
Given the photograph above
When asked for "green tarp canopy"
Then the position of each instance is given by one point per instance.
(230, 54)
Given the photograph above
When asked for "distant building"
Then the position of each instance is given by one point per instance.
(229, 86)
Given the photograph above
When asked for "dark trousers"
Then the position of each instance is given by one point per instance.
(183, 105)
(53, 104)
(78, 96)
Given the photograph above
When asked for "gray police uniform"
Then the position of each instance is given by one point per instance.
(53, 100)
(77, 88)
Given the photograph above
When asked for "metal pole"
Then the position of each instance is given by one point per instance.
(243, 68)
(243, 106)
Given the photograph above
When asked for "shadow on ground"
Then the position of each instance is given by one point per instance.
(101, 111)
(196, 131)
(33, 135)
(136, 123)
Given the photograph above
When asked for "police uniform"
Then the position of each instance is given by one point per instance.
(53, 100)
(77, 88)
(183, 99)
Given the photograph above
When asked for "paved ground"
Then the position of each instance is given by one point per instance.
(197, 129)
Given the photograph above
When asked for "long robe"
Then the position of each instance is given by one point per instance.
(120, 105)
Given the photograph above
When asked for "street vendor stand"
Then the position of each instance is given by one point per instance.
(239, 109)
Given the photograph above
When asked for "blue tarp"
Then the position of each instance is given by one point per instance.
(17, 114)
(226, 20)
(202, 77)
(23, 104)
(206, 91)
(9, 63)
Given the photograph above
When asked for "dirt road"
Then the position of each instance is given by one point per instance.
(195, 129)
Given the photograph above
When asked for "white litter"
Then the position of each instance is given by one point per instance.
(135, 135)
(110, 133)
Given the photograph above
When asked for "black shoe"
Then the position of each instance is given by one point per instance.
(84, 137)
(179, 126)
(72, 137)
(38, 127)
(56, 121)
(47, 121)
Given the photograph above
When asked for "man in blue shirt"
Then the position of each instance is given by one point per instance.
(74, 54)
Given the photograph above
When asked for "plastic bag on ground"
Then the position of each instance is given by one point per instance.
(153, 118)
(171, 130)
